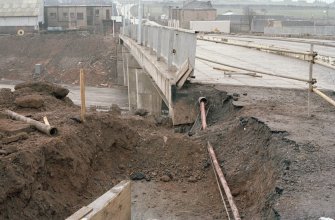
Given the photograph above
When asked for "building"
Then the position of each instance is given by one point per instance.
(21, 16)
(94, 15)
(193, 11)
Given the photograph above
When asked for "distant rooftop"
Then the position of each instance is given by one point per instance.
(19, 8)
(198, 5)
(78, 2)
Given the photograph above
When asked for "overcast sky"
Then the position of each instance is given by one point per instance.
(328, 1)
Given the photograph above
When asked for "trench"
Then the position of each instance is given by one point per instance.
(51, 178)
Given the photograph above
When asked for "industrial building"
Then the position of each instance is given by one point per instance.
(94, 15)
(21, 16)
(193, 11)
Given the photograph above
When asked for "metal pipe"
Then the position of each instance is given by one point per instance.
(310, 85)
(324, 96)
(256, 71)
(259, 47)
(223, 182)
(47, 129)
(203, 102)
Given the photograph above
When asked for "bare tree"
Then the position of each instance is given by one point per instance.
(249, 13)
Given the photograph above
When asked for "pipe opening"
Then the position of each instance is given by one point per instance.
(53, 131)
(203, 99)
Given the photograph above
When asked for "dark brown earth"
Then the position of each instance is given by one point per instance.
(278, 162)
(51, 177)
(61, 55)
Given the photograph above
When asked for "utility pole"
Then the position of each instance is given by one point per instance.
(139, 27)
(113, 17)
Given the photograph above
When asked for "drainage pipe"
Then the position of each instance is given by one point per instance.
(47, 129)
(203, 102)
(223, 182)
(324, 96)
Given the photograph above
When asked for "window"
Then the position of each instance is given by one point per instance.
(96, 12)
(72, 15)
(65, 15)
(80, 16)
(52, 15)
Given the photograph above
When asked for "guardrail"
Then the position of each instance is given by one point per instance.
(172, 45)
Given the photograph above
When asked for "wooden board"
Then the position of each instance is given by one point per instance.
(114, 204)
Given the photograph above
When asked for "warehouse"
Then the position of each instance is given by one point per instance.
(21, 16)
(92, 15)
(193, 10)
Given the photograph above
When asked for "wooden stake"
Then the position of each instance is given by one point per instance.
(46, 121)
(82, 95)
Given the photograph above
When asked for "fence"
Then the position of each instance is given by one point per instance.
(172, 45)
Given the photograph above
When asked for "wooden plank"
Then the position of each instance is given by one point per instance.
(114, 204)
(183, 79)
(183, 69)
(80, 213)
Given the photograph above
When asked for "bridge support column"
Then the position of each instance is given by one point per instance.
(121, 65)
(131, 66)
(141, 92)
(147, 95)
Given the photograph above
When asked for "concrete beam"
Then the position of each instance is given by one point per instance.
(114, 204)
(157, 70)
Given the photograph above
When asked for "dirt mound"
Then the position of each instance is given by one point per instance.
(51, 177)
(44, 87)
(61, 56)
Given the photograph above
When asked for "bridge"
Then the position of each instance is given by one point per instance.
(156, 68)
(156, 65)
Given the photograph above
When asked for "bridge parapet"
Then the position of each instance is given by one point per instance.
(172, 45)
(168, 56)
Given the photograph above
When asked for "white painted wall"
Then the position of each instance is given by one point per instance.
(210, 26)
(19, 21)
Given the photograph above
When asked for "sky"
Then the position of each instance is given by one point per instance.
(311, 1)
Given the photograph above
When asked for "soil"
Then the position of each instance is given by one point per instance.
(278, 162)
(51, 177)
(61, 56)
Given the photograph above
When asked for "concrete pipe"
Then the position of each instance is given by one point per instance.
(47, 129)
(20, 32)
(203, 102)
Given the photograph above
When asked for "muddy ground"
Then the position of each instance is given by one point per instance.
(51, 177)
(61, 55)
(278, 162)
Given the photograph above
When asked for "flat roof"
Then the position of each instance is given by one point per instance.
(50, 3)
(20, 8)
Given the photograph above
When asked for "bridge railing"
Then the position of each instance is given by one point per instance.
(172, 45)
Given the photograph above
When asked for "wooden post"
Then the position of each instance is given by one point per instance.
(82, 95)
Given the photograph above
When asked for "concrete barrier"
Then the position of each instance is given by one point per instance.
(211, 26)
(301, 30)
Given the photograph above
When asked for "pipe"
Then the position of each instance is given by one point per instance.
(256, 71)
(324, 96)
(259, 47)
(223, 182)
(203, 102)
(47, 129)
